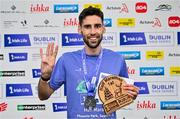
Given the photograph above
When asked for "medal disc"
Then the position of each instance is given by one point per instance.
(112, 95)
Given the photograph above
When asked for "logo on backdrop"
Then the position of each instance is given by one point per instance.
(39, 8)
(170, 105)
(36, 73)
(123, 8)
(66, 8)
(59, 107)
(16, 40)
(146, 105)
(107, 22)
(41, 40)
(143, 87)
(175, 70)
(13, 10)
(133, 38)
(147, 39)
(154, 23)
(151, 71)
(131, 55)
(126, 22)
(71, 22)
(11, 73)
(72, 39)
(15, 57)
(3, 106)
(174, 21)
(159, 55)
(33, 107)
(164, 7)
(14, 90)
(141, 7)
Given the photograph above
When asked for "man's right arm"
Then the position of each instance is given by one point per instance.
(44, 90)
(47, 64)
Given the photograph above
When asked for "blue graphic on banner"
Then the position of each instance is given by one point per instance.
(58, 107)
(131, 55)
(149, 71)
(36, 73)
(14, 40)
(143, 87)
(13, 90)
(132, 38)
(72, 39)
(178, 37)
(68, 8)
(107, 22)
(14, 57)
(170, 105)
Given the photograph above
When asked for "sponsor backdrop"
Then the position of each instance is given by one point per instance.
(146, 33)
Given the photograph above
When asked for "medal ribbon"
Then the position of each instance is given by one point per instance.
(91, 84)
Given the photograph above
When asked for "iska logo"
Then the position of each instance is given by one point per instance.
(131, 70)
(174, 21)
(71, 22)
(14, 57)
(146, 105)
(171, 117)
(141, 7)
(3, 106)
(39, 8)
(14, 40)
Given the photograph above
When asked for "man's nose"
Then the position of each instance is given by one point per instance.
(93, 30)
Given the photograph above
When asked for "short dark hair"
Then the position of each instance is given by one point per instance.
(89, 12)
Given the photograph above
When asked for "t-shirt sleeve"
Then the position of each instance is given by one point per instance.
(58, 75)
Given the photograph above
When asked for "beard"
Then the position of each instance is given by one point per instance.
(92, 44)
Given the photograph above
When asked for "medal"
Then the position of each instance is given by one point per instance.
(91, 82)
(112, 94)
(90, 102)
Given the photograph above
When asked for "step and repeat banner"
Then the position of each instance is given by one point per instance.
(146, 33)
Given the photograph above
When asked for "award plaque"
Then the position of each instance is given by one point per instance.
(112, 95)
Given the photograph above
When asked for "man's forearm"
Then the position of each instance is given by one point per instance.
(44, 90)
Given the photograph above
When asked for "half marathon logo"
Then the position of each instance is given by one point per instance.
(31, 107)
(12, 73)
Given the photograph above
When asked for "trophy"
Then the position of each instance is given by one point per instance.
(112, 95)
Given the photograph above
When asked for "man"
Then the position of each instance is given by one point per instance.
(77, 69)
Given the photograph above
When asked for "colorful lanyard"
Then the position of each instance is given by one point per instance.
(91, 84)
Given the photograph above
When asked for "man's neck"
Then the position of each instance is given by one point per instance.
(93, 51)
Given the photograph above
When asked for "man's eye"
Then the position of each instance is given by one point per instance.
(87, 26)
(98, 26)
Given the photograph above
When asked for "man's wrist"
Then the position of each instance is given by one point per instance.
(45, 79)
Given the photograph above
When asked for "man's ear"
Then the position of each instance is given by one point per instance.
(79, 29)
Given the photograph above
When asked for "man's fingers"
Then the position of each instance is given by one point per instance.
(56, 51)
(51, 49)
(47, 49)
(41, 53)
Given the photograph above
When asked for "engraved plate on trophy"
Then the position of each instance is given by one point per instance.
(112, 95)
